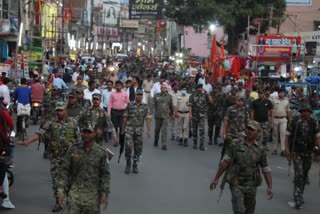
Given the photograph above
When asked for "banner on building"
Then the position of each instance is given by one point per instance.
(299, 2)
(129, 23)
(107, 31)
(139, 9)
(110, 13)
(278, 46)
(310, 42)
(4, 67)
(34, 54)
(49, 19)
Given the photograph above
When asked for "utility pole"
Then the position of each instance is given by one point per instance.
(270, 18)
(62, 29)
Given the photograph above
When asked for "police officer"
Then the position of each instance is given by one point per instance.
(62, 132)
(215, 114)
(102, 122)
(182, 115)
(198, 108)
(244, 160)
(302, 137)
(85, 175)
(133, 123)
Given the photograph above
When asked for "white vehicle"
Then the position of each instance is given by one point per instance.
(121, 56)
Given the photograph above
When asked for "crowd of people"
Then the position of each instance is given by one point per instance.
(111, 99)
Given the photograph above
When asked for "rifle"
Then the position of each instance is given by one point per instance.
(294, 139)
(223, 183)
(223, 151)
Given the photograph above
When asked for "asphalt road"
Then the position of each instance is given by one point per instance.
(173, 181)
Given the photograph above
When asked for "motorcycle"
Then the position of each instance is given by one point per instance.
(35, 111)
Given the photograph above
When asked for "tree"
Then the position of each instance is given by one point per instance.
(232, 15)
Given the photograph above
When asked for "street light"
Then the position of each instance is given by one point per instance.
(212, 27)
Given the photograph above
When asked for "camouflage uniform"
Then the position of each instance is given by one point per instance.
(74, 112)
(215, 116)
(85, 176)
(244, 174)
(302, 138)
(62, 136)
(199, 104)
(135, 115)
(237, 119)
(103, 123)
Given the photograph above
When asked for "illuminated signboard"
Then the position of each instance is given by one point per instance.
(139, 9)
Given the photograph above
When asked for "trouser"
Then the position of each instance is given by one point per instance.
(117, 118)
(3, 169)
(279, 130)
(74, 208)
(183, 125)
(55, 165)
(302, 164)
(161, 124)
(147, 97)
(264, 135)
(136, 141)
(173, 124)
(198, 123)
(243, 199)
(214, 121)
(5, 186)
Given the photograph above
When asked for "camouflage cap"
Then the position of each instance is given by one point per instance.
(139, 91)
(254, 125)
(96, 95)
(72, 93)
(305, 108)
(199, 86)
(60, 106)
(88, 125)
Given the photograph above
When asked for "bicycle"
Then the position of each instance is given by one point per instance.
(23, 126)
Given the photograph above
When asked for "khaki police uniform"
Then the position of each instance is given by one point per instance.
(182, 107)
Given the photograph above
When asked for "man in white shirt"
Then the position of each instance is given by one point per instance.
(4, 90)
(157, 86)
(106, 95)
(207, 86)
(75, 76)
(91, 90)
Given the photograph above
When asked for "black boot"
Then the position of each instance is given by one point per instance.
(210, 141)
(185, 142)
(57, 207)
(181, 141)
(128, 166)
(215, 140)
(155, 144)
(135, 167)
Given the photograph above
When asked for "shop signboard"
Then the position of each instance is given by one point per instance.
(299, 2)
(4, 67)
(110, 13)
(139, 9)
(278, 46)
(34, 54)
(126, 23)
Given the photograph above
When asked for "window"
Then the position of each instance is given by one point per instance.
(316, 25)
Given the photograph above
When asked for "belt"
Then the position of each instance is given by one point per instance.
(183, 112)
(147, 91)
(117, 109)
(280, 117)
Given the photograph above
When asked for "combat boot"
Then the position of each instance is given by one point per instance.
(215, 140)
(181, 141)
(210, 141)
(185, 142)
(57, 207)
(195, 146)
(128, 167)
(202, 147)
(135, 167)
(155, 144)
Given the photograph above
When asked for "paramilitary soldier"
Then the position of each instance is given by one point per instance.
(215, 114)
(198, 102)
(133, 121)
(102, 122)
(85, 175)
(62, 132)
(302, 137)
(47, 107)
(73, 108)
(243, 162)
